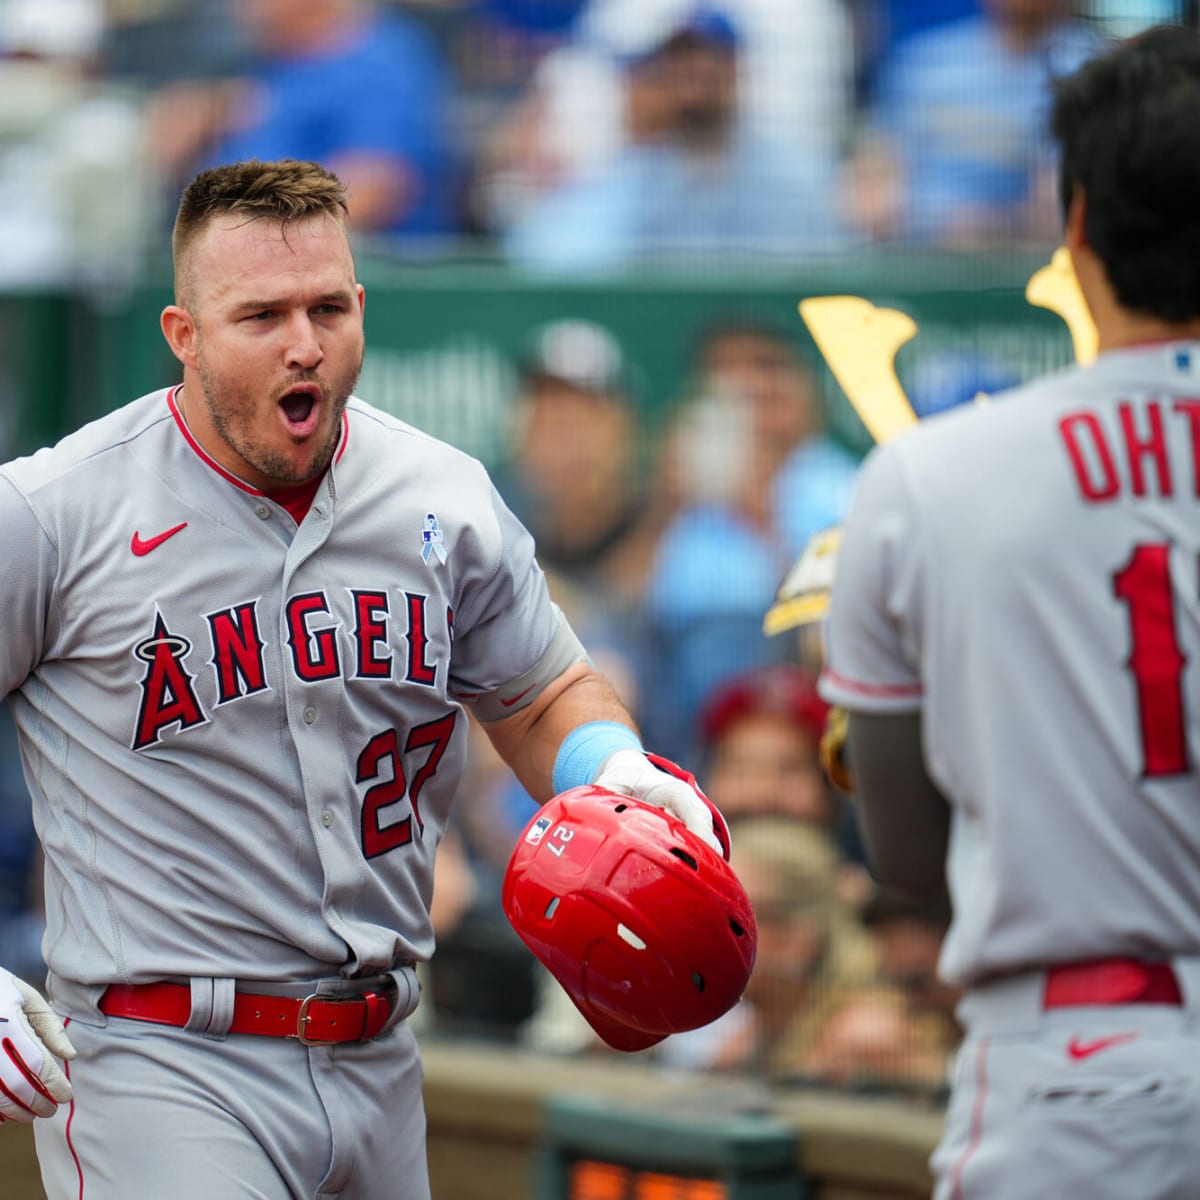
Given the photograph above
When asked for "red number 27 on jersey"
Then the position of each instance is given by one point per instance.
(381, 830)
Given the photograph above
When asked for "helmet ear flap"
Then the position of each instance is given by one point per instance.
(646, 928)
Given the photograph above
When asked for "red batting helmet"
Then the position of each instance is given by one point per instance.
(648, 930)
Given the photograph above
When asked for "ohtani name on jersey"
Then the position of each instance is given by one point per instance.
(236, 653)
(1131, 458)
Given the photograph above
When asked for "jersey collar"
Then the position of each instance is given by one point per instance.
(209, 461)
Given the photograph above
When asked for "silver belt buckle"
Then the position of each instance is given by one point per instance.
(302, 1017)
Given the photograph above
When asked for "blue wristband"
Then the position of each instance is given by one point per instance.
(584, 750)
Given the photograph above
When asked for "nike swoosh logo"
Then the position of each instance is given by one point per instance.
(1077, 1048)
(140, 547)
(519, 696)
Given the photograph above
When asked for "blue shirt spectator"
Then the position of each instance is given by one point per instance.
(361, 90)
(381, 90)
(812, 491)
(694, 181)
(757, 477)
(659, 202)
(961, 114)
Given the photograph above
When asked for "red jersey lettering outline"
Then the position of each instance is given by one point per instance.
(238, 650)
(1097, 482)
(314, 652)
(419, 670)
(371, 612)
(168, 694)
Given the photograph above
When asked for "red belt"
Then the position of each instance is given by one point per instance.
(313, 1020)
(1109, 981)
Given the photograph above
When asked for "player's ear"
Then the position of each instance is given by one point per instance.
(179, 328)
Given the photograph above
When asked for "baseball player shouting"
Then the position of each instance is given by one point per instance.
(1015, 629)
(245, 618)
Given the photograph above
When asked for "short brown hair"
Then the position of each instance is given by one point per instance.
(284, 191)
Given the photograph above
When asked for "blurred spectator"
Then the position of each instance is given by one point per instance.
(74, 191)
(575, 466)
(759, 742)
(796, 61)
(812, 951)
(343, 82)
(760, 731)
(956, 152)
(693, 179)
(871, 1039)
(908, 936)
(902, 1031)
(756, 475)
(796, 68)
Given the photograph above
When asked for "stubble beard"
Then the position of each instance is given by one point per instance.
(227, 409)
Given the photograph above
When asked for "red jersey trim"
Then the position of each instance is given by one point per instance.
(216, 466)
(897, 690)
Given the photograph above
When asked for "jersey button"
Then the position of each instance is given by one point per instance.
(262, 511)
(310, 715)
(327, 818)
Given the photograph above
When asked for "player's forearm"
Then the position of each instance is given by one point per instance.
(529, 740)
(904, 816)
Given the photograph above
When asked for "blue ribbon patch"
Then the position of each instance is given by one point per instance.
(432, 539)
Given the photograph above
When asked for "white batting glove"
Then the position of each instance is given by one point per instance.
(32, 1084)
(632, 773)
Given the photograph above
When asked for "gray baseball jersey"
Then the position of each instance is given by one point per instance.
(1026, 573)
(242, 736)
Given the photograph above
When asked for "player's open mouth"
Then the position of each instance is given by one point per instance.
(300, 410)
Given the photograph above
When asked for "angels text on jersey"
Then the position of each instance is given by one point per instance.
(182, 684)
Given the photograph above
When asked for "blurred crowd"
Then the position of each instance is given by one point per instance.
(563, 136)
(575, 137)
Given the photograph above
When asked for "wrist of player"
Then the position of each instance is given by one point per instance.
(32, 1084)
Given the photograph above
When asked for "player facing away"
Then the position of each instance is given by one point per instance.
(245, 620)
(1015, 630)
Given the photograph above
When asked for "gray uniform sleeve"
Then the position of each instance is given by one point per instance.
(510, 639)
(872, 649)
(26, 586)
